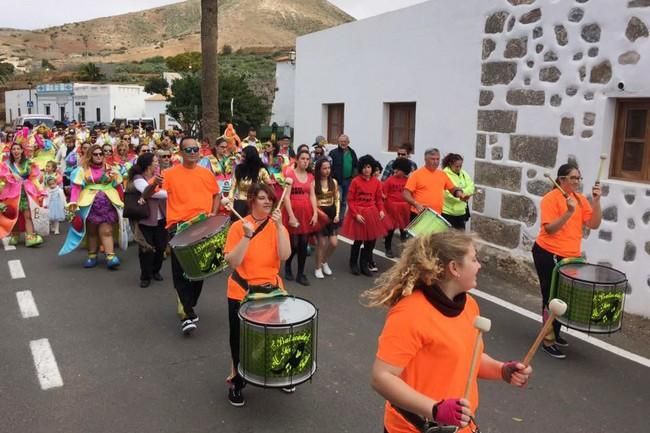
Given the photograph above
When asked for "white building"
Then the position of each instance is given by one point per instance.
(155, 107)
(517, 87)
(282, 111)
(79, 101)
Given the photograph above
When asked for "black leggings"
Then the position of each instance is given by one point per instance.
(233, 321)
(299, 248)
(366, 253)
(545, 262)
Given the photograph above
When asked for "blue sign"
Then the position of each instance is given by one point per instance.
(30, 104)
(55, 88)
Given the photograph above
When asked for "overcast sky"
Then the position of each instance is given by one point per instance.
(36, 14)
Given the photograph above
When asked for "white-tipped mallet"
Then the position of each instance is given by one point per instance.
(603, 157)
(547, 174)
(287, 186)
(225, 202)
(556, 308)
(482, 325)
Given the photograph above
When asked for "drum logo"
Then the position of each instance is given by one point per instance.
(291, 354)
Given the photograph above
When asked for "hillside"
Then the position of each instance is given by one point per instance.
(254, 25)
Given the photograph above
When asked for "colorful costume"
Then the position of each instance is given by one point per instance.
(98, 201)
(44, 148)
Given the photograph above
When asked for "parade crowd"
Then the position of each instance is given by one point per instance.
(117, 184)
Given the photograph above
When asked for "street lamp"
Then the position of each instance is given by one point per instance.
(292, 56)
(30, 103)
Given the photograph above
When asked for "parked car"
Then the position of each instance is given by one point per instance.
(34, 120)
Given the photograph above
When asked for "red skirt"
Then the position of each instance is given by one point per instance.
(398, 215)
(372, 229)
(303, 213)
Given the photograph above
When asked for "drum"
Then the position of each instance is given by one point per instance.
(595, 296)
(426, 223)
(278, 341)
(199, 248)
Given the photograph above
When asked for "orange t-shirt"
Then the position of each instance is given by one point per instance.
(434, 350)
(190, 192)
(261, 262)
(427, 187)
(567, 241)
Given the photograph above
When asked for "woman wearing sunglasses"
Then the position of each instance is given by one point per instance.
(560, 236)
(98, 209)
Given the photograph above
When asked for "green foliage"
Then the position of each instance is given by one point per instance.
(154, 59)
(226, 50)
(185, 103)
(6, 71)
(90, 72)
(156, 85)
(46, 64)
(185, 62)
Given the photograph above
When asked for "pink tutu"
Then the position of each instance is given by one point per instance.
(372, 229)
(303, 213)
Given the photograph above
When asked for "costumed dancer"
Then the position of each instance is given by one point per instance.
(191, 191)
(21, 193)
(329, 203)
(97, 205)
(456, 210)
(55, 203)
(564, 213)
(398, 211)
(301, 216)
(220, 163)
(276, 165)
(73, 159)
(363, 220)
(44, 148)
(249, 171)
(255, 246)
(426, 367)
(233, 140)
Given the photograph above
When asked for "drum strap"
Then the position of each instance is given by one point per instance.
(422, 424)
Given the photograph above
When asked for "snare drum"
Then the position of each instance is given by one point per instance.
(278, 341)
(426, 223)
(595, 296)
(199, 248)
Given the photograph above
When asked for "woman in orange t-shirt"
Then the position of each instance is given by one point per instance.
(560, 236)
(425, 349)
(254, 249)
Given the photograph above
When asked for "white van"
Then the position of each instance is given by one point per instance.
(34, 120)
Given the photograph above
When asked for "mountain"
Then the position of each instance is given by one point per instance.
(255, 25)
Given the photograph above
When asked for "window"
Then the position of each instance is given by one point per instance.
(62, 113)
(401, 124)
(82, 114)
(335, 122)
(99, 114)
(47, 109)
(631, 150)
(19, 113)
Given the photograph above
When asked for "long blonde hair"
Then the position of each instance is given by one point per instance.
(424, 259)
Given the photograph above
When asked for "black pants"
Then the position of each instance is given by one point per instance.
(188, 291)
(545, 262)
(388, 240)
(456, 221)
(233, 322)
(366, 253)
(298, 248)
(151, 260)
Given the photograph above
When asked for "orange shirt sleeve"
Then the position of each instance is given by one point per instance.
(549, 208)
(399, 341)
(235, 234)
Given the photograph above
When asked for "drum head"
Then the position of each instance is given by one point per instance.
(280, 311)
(199, 231)
(590, 273)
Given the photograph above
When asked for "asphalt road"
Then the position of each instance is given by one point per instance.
(126, 368)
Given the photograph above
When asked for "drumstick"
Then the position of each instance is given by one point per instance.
(557, 307)
(482, 324)
(225, 202)
(603, 157)
(556, 184)
(287, 185)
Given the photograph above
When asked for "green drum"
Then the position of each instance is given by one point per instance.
(426, 223)
(595, 296)
(199, 248)
(278, 341)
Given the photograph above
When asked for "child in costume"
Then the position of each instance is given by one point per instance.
(55, 202)
(398, 211)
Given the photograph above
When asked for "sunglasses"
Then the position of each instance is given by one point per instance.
(145, 150)
(194, 149)
(98, 154)
(165, 156)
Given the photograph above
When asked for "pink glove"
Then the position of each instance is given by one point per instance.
(448, 412)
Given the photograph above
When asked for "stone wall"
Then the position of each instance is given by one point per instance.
(549, 70)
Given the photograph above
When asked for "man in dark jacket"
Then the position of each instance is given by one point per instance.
(344, 163)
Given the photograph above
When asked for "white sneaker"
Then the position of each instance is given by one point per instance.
(318, 274)
(326, 269)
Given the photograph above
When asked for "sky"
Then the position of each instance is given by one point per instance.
(37, 14)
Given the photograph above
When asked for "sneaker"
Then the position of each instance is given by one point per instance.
(561, 342)
(145, 283)
(236, 397)
(554, 351)
(33, 240)
(372, 267)
(90, 262)
(13, 240)
(56, 232)
(157, 276)
(289, 389)
(302, 279)
(326, 269)
(354, 269)
(188, 326)
(318, 273)
(194, 318)
(389, 253)
(113, 262)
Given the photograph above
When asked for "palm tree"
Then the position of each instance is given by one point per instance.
(90, 72)
(209, 77)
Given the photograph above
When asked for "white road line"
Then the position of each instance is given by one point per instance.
(5, 243)
(46, 369)
(538, 318)
(16, 269)
(26, 304)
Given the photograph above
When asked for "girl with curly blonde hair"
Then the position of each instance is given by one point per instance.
(425, 349)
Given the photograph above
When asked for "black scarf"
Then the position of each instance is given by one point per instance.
(440, 301)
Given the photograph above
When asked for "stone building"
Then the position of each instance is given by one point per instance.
(518, 87)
